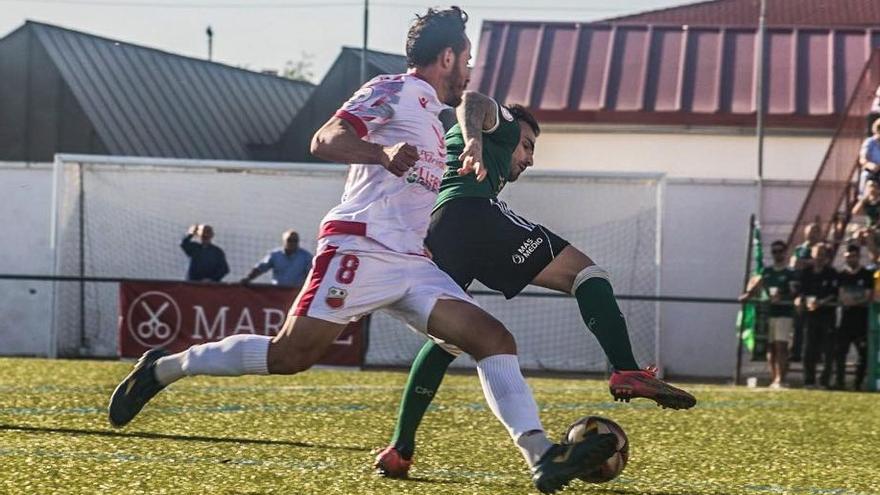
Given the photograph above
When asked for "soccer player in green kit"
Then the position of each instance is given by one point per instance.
(474, 235)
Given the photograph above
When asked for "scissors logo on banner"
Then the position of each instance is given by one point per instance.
(154, 319)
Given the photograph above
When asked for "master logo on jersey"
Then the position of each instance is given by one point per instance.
(336, 297)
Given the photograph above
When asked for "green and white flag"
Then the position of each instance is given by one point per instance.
(747, 319)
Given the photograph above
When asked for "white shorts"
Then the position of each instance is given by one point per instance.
(780, 329)
(353, 276)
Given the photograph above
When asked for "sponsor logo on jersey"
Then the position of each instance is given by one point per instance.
(423, 102)
(526, 249)
(423, 177)
(363, 94)
(506, 113)
(336, 297)
(432, 158)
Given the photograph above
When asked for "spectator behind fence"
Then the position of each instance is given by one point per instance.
(802, 256)
(856, 290)
(818, 291)
(874, 112)
(801, 259)
(289, 264)
(869, 206)
(207, 262)
(780, 283)
(869, 156)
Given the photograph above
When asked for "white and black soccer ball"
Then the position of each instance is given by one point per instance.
(595, 425)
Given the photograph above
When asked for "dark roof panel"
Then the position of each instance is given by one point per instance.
(681, 75)
(151, 103)
(837, 13)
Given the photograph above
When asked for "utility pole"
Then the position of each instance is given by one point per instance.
(364, 47)
(759, 107)
(210, 33)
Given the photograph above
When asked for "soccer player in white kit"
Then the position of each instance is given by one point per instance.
(371, 257)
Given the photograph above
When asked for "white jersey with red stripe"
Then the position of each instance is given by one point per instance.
(392, 211)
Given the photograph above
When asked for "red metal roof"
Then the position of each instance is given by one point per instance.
(836, 13)
(677, 75)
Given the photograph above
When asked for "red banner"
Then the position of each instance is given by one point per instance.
(177, 315)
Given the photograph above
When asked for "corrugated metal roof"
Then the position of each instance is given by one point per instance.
(147, 102)
(338, 84)
(826, 13)
(681, 75)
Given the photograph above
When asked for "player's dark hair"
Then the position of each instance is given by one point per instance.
(519, 112)
(779, 243)
(434, 32)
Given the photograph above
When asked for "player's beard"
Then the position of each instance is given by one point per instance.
(455, 85)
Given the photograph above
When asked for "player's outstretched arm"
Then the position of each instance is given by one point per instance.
(337, 141)
(476, 113)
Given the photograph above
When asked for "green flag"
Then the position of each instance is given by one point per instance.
(747, 319)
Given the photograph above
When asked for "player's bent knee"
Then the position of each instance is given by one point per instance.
(283, 360)
(496, 339)
(592, 271)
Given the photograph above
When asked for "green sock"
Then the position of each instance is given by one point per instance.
(602, 316)
(425, 376)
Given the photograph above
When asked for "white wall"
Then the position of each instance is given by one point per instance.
(706, 154)
(25, 199)
(705, 231)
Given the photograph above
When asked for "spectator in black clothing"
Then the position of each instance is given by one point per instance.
(856, 290)
(819, 290)
(801, 259)
(207, 262)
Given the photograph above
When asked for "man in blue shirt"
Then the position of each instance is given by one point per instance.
(207, 262)
(869, 156)
(289, 264)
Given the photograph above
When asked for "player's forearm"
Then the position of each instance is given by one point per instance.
(338, 142)
(475, 114)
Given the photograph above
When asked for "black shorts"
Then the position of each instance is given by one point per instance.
(482, 239)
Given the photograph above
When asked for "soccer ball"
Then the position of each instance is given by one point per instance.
(593, 425)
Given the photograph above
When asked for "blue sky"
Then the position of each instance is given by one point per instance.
(264, 34)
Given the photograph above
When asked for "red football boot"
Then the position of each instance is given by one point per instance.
(391, 464)
(626, 385)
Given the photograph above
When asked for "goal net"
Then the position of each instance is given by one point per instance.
(124, 217)
(615, 220)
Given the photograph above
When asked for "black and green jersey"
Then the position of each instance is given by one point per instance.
(784, 281)
(498, 146)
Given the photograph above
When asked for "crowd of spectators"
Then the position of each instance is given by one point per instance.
(816, 312)
(290, 264)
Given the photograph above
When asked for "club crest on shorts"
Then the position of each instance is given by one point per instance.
(336, 297)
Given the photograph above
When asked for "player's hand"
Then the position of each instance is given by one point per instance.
(471, 159)
(398, 159)
(192, 229)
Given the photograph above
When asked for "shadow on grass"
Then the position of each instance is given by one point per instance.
(627, 491)
(183, 438)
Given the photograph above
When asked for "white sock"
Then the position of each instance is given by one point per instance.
(235, 355)
(511, 400)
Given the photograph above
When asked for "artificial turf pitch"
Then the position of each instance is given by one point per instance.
(313, 433)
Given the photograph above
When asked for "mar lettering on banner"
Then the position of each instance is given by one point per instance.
(177, 315)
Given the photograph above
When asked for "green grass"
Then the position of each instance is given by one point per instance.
(313, 433)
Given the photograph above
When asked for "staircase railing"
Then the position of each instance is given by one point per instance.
(833, 192)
